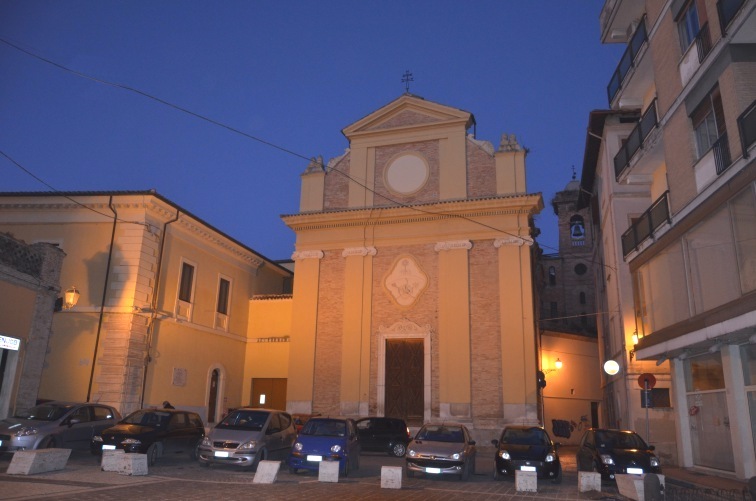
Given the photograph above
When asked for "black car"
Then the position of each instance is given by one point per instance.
(527, 448)
(610, 452)
(155, 432)
(384, 434)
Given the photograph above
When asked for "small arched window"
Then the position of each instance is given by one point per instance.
(582, 298)
(552, 275)
(577, 228)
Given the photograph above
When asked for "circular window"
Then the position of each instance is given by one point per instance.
(580, 269)
(406, 174)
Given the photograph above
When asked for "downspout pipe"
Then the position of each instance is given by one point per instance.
(104, 294)
(153, 306)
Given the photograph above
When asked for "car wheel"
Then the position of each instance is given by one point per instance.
(356, 462)
(558, 478)
(496, 474)
(194, 452)
(49, 442)
(261, 455)
(152, 454)
(410, 473)
(465, 471)
(398, 450)
(293, 470)
(345, 472)
(204, 464)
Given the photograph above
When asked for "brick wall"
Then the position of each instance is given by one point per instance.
(428, 193)
(481, 172)
(336, 191)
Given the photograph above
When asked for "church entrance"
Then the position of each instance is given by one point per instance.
(405, 372)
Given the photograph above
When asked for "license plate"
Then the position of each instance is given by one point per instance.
(221, 454)
(635, 471)
(315, 458)
(106, 447)
(433, 470)
(528, 468)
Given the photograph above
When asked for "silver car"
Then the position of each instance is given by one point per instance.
(442, 449)
(247, 436)
(56, 424)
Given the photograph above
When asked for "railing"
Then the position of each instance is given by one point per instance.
(703, 42)
(747, 128)
(628, 60)
(646, 225)
(722, 158)
(727, 10)
(635, 140)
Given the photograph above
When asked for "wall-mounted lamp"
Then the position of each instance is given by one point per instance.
(71, 297)
(611, 367)
(635, 338)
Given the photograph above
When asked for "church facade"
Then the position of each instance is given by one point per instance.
(414, 288)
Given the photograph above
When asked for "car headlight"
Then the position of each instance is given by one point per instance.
(550, 457)
(607, 459)
(412, 452)
(504, 455)
(655, 462)
(335, 448)
(25, 431)
(132, 441)
(298, 446)
(456, 455)
(248, 445)
(206, 442)
(97, 438)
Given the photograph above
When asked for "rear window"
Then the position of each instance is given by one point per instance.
(533, 436)
(148, 418)
(44, 412)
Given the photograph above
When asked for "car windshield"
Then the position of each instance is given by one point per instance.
(148, 418)
(619, 440)
(244, 420)
(441, 434)
(532, 436)
(325, 428)
(44, 412)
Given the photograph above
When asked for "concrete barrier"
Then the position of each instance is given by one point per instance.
(38, 461)
(391, 477)
(589, 481)
(631, 486)
(328, 471)
(267, 471)
(526, 481)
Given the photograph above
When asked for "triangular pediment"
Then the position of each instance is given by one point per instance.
(409, 111)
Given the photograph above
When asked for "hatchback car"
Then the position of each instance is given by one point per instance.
(326, 439)
(56, 424)
(527, 448)
(383, 434)
(610, 452)
(247, 436)
(155, 432)
(442, 449)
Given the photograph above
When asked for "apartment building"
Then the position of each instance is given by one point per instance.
(670, 175)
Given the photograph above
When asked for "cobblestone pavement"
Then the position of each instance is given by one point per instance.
(181, 479)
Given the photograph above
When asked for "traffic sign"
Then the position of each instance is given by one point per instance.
(646, 379)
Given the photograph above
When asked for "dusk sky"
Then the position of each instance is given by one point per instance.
(290, 73)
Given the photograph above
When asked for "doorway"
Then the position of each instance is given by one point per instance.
(268, 393)
(405, 370)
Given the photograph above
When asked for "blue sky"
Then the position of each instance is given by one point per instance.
(292, 73)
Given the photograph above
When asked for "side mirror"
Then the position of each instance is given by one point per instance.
(651, 448)
(495, 442)
(557, 445)
(73, 421)
(472, 442)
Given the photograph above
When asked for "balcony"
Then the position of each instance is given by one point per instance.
(645, 226)
(727, 10)
(693, 59)
(628, 60)
(635, 140)
(747, 128)
(722, 158)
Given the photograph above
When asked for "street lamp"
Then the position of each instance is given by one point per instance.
(71, 297)
(557, 366)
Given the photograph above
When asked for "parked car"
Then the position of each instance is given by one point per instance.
(384, 435)
(326, 439)
(247, 436)
(527, 448)
(56, 424)
(442, 449)
(301, 419)
(610, 452)
(155, 432)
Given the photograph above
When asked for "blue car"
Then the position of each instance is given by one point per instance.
(326, 439)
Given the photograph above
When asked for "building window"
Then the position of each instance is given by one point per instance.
(224, 299)
(552, 275)
(687, 25)
(187, 282)
(582, 298)
(708, 122)
(185, 292)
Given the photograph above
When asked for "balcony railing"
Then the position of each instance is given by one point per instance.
(722, 158)
(646, 225)
(628, 60)
(747, 128)
(727, 10)
(703, 42)
(635, 140)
